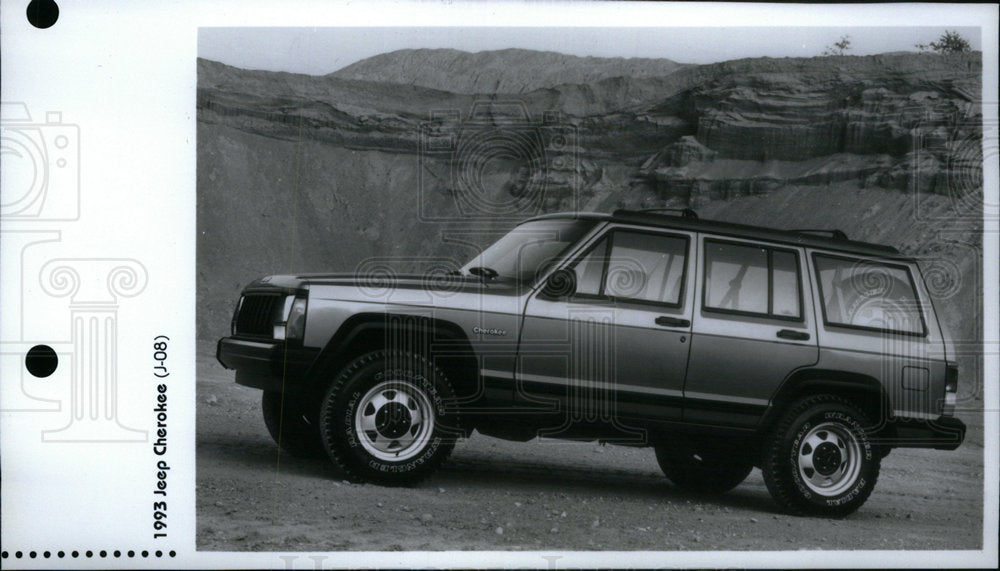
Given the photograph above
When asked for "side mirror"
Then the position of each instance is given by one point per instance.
(560, 283)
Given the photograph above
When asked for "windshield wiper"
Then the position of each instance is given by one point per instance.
(484, 273)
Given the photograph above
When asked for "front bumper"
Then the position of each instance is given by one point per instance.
(266, 365)
(942, 433)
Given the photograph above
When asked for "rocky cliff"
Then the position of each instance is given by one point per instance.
(412, 156)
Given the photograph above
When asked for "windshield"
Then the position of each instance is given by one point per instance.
(528, 249)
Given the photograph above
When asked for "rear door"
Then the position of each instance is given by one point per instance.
(619, 346)
(753, 326)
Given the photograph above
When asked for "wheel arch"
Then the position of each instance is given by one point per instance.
(440, 340)
(864, 390)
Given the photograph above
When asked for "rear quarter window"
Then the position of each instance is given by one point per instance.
(867, 294)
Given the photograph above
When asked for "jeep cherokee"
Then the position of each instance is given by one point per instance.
(721, 346)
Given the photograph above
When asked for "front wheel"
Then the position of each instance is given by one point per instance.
(820, 459)
(389, 418)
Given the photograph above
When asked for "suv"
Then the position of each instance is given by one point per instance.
(722, 346)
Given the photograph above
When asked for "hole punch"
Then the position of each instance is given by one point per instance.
(42, 14)
(41, 361)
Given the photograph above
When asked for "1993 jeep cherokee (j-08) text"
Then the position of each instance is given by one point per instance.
(722, 346)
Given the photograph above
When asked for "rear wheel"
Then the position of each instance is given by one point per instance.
(707, 470)
(290, 426)
(820, 459)
(389, 418)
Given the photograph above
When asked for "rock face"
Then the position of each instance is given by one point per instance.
(414, 155)
(686, 150)
(790, 117)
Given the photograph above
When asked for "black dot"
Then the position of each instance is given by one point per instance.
(104, 553)
(173, 553)
(32, 555)
(76, 554)
(41, 361)
(17, 554)
(46, 555)
(159, 553)
(145, 553)
(131, 553)
(43, 13)
(3, 554)
(118, 553)
(61, 554)
(90, 553)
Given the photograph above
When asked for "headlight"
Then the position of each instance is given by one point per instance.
(293, 319)
(297, 319)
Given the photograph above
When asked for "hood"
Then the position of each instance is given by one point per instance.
(434, 282)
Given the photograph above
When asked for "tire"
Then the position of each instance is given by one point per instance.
(388, 418)
(707, 472)
(291, 428)
(819, 459)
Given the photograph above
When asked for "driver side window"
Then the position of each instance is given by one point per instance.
(634, 266)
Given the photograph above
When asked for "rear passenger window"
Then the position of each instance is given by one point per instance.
(868, 295)
(744, 278)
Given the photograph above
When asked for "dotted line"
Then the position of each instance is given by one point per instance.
(88, 554)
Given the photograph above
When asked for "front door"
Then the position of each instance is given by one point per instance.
(618, 347)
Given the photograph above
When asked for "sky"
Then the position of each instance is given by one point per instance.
(318, 51)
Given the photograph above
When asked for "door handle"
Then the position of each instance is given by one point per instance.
(794, 335)
(668, 321)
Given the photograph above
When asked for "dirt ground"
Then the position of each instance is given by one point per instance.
(499, 495)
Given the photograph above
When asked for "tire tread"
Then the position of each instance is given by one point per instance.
(340, 458)
(782, 489)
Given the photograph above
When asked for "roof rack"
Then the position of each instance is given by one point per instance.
(835, 234)
(835, 239)
(685, 213)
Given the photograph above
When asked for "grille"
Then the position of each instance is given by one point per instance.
(257, 315)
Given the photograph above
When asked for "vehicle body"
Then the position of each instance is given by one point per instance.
(722, 346)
